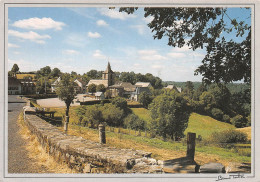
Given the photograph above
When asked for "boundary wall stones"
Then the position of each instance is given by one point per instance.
(86, 156)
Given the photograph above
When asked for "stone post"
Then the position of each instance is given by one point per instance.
(102, 133)
(66, 124)
(191, 137)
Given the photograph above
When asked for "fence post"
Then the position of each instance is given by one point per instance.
(102, 134)
(191, 137)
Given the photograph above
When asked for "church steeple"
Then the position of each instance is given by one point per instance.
(108, 70)
(108, 75)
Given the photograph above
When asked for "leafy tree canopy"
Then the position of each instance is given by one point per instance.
(15, 68)
(226, 60)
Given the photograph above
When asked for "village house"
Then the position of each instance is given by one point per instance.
(173, 87)
(99, 96)
(140, 87)
(28, 83)
(79, 85)
(14, 86)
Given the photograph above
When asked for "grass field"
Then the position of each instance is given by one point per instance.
(164, 150)
(199, 124)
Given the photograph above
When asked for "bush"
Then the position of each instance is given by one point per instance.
(217, 113)
(112, 115)
(226, 118)
(132, 121)
(239, 121)
(228, 136)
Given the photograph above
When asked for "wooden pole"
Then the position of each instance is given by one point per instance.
(191, 137)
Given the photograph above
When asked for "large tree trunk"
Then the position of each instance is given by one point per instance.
(67, 119)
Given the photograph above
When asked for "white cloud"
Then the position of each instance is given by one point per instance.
(150, 55)
(32, 36)
(157, 66)
(94, 35)
(76, 39)
(140, 28)
(101, 23)
(39, 24)
(12, 45)
(70, 52)
(176, 55)
(115, 14)
(98, 55)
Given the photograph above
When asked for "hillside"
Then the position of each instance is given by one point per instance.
(199, 124)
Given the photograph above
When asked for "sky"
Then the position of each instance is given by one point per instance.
(81, 39)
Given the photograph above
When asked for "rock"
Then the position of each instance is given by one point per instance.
(87, 168)
(212, 168)
(238, 167)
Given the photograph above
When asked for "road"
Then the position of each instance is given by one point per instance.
(18, 160)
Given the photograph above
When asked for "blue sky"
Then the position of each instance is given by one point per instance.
(81, 39)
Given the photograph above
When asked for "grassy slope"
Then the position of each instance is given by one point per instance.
(163, 149)
(199, 124)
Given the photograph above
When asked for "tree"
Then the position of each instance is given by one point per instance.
(65, 91)
(239, 121)
(188, 89)
(170, 115)
(112, 115)
(55, 72)
(92, 88)
(15, 69)
(221, 95)
(101, 88)
(226, 60)
(121, 103)
(145, 99)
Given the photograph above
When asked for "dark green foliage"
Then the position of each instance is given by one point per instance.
(217, 114)
(221, 95)
(207, 101)
(41, 83)
(132, 78)
(101, 88)
(188, 89)
(226, 118)
(92, 88)
(226, 60)
(112, 115)
(15, 69)
(170, 115)
(239, 121)
(93, 115)
(94, 74)
(55, 72)
(228, 136)
(133, 122)
(92, 102)
(120, 102)
(65, 91)
(145, 99)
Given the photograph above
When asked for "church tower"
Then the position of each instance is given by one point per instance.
(108, 75)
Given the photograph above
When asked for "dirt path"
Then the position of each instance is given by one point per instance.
(18, 160)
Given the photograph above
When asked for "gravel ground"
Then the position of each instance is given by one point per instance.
(18, 160)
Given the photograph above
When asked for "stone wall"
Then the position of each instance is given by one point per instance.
(87, 156)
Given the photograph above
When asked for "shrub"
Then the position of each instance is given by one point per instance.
(134, 122)
(112, 115)
(228, 136)
(226, 118)
(239, 121)
(217, 113)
